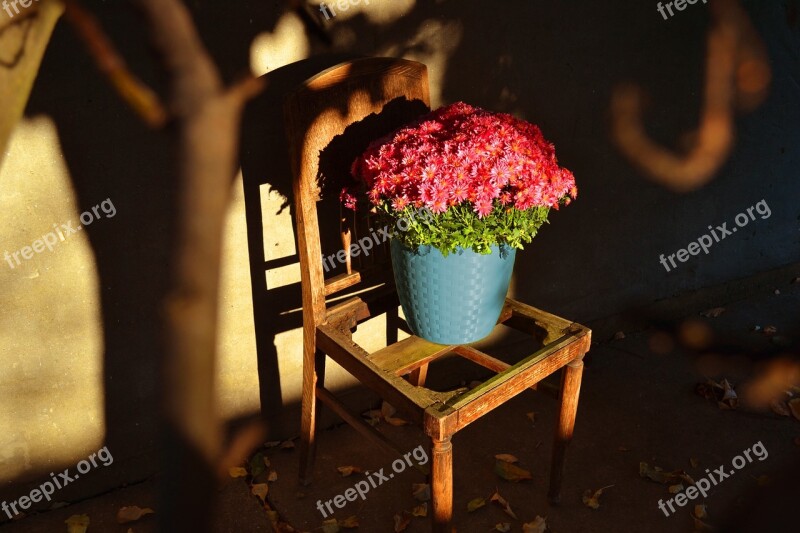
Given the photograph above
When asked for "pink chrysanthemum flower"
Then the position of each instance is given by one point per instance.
(460, 154)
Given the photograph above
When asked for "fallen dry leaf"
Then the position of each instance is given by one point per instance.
(510, 472)
(273, 476)
(779, 408)
(770, 330)
(77, 523)
(700, 511)
(713, 313)
(675, 489)
(499, 500)
(658, 475)
(401, 521)
(537, 526)
(260, 490)
(502, 526)
(395, 421)
(330, 526)
(421, 491)
(257, 466)
(592, 499)
(350, 522)
(475, 504)
(694, 462)
(420, 510)
(346, 471)
(531, 416)
(237, 471)
(373, 417)
(507, 457)
(387, 410)
(132, 514)
(794, 407)
(288, 445)
(699, 525)
(619, 336)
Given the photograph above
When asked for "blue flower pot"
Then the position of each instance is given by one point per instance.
(455, 299)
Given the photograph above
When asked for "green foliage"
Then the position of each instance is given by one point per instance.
(460, 226)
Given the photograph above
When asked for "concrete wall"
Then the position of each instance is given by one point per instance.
(79, 327)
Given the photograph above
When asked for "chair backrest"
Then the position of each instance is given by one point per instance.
(330, 120)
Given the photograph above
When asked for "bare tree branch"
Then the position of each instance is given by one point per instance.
(138, 95)
(207, 127)
(737, 75)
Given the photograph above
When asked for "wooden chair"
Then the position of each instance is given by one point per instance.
(324, 117)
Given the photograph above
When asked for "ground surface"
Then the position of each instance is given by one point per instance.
(636, 406)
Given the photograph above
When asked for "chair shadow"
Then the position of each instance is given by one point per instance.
(265, 162)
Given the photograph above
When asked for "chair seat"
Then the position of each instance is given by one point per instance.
(448, 412)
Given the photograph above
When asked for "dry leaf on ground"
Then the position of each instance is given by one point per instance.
(619, 335)
(475, 504)
(401, 521)
(770, 330)
(260, 490)
(694, 462)
(779, 408)
(288, 445)
(539, 525)
(420, 510)
(794, 407)
(502, 502)
(510, 472)
(507, 457)
(395, 421)
(675, 489)
(273, 476)
(237, 471)
(350, 522)
(77, 523)
(592, 499)
(713, 312)
(387, 410)
(502, 526)
(699, 525)
(421, 491)
(346, 471)
(531, 416)
(257, 466)
(658, 474)
(330, 526)
(723, 392)
(132, 514)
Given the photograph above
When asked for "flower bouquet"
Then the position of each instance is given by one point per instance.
(488, 181)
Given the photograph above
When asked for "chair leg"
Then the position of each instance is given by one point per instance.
(570, 390)
(442, 484)
(313, 374)
(417, 377)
